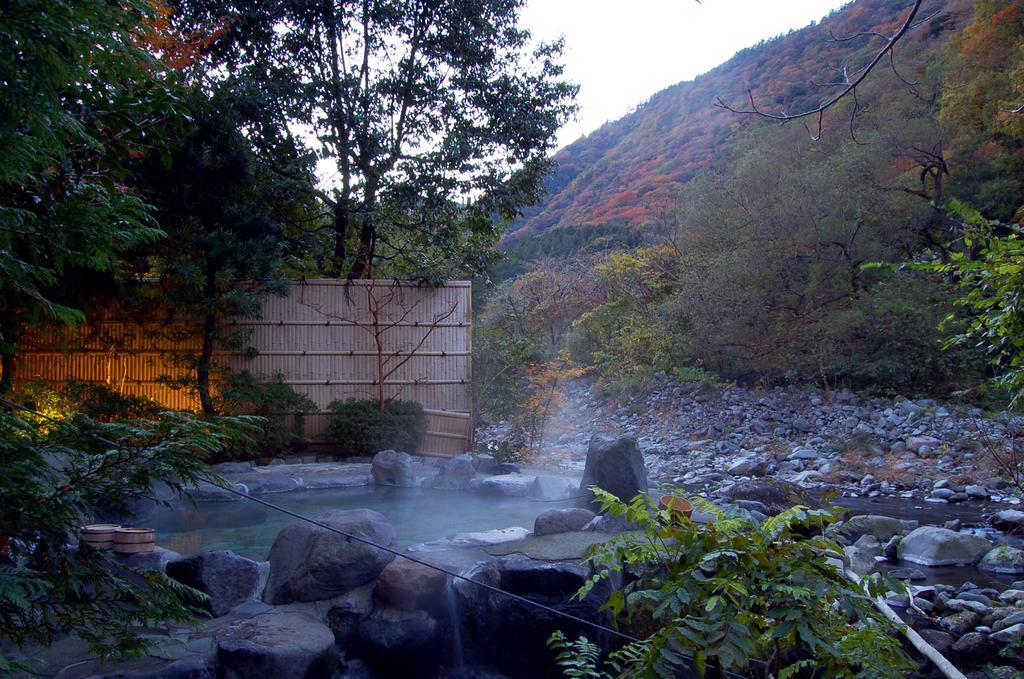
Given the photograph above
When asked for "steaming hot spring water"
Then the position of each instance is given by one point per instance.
(418, 514)
(424, 514)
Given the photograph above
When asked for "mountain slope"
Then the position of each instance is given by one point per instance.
(631, 169)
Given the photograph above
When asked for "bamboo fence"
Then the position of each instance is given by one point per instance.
(328, 339)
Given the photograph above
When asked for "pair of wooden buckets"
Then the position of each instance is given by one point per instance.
(120, 540)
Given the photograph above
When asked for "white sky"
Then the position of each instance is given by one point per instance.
(622, 53)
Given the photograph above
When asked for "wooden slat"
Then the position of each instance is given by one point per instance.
(318, 338)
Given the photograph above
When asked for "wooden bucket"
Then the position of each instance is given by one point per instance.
(134, 540)
(98, 535)
(679, 506)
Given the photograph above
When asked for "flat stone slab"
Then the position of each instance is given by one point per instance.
(473, 539)
(288, 477)
(558, 547)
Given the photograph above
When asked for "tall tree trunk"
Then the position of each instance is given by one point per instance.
(206, 354)
(7, 376)
(9, 337)
(362, 267)
(340, 236)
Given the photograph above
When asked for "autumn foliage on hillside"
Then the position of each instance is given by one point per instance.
(631, 170)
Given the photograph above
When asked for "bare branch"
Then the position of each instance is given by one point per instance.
(848, 90)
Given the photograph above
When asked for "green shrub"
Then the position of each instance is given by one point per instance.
(98, 401)
(360, 428)
(281, 407)
(735, 594)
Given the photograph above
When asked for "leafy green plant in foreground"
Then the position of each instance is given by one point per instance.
(53, 481)
(733, 595)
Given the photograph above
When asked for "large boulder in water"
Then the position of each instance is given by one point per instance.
(411, 586)
(614, 465)
(310, 563)
(934, 546)
(391, 468)
(776, 496)
(228, 579)
(457, 473)
(276, 644)
(555, 521)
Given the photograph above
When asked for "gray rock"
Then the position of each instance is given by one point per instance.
(555, 521)
(883, 528)
(614, 465)
(228, 579)
(776, 496)
(933, 546)
(977, 492)
(911, 574)
(310, 563)
(862, 561)
(959, 624)
(510, 485)
(391, 468)
(1009, 635)
(915, 443)
(967, 605)
(1009, 621)
(1003, 559)
(155, 560)
(457, 474)
(278, 643)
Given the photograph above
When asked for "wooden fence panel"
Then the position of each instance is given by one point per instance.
(321, 339)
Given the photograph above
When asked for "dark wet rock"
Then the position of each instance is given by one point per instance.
(391, 468)
(555, 521)
(1009, 520)
(933, 546)
(226, 578)
(310, 563)
(614, 465)
(490, 620)
(409, 586)
(941, 641)
(276, 644)
(776, 496)
(401, 643)
(1003, 559)
(973, 647)
(347, 611)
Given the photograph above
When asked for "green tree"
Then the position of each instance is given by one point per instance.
(435, 116)
(80, 98)
(225, 222)
(983, 106)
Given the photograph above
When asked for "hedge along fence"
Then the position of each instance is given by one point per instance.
(328, 339)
